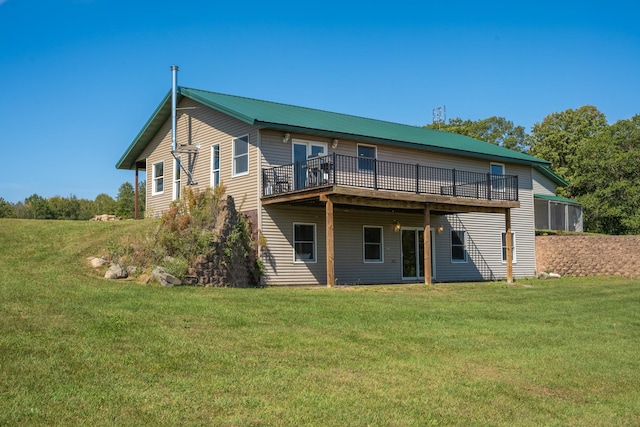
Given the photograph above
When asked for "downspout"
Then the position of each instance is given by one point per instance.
(174, 96)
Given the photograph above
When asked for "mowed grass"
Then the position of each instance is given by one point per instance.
(76, 349)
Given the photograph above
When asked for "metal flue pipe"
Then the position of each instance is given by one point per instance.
(174, 97)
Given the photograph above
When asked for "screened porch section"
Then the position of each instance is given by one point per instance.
(359, 172)
(557, 213)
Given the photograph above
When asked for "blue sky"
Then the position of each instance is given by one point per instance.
(81, 77)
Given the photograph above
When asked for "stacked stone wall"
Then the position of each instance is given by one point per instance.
(581, 255)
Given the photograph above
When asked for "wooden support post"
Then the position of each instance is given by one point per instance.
(427, 245)
(509, 246)
(331, 277)
(135, 203)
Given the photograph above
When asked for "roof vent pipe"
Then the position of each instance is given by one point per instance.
(174, 96)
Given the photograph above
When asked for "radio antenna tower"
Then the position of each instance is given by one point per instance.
(439, 115)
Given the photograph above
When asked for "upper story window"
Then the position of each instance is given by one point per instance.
(366, 158)
(497, 183)
(241, 155)
(157, 172)
(215, 165)
(458, 246)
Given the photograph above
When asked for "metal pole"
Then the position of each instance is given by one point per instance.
(174, 96)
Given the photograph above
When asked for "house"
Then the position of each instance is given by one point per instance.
(553, 212)
(342, 199)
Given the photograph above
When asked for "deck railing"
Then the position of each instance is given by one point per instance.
(337, 169)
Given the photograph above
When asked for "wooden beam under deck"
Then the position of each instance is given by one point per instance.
(392, 200)
(509, 246)
(428, 274)
(331, 276)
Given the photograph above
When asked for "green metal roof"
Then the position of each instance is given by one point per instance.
(556, 199)
(324, 123)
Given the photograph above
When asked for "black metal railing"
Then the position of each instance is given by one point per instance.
(337, 169)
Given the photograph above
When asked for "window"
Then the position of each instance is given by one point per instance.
(158, 178)
(241, 155)
(504, 246)
(366, 158)
(458, 249)
(215, 165)
(373, 247)
(497, 183)
(304, 242)
(176, 178)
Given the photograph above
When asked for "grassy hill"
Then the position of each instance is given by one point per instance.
(76, 349)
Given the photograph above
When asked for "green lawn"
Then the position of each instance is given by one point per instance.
(76, 349)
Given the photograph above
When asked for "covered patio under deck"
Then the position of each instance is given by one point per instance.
(427, 204)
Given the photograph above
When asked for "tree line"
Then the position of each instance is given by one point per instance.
(72, 208)
(601, 162)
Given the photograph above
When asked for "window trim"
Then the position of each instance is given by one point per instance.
(155, 179)
(313, 260)
(503, 247)
(374, 158)
(214, 171)
(464, 247)
(364, 244)
(234, 157)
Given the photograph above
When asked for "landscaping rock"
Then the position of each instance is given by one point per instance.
(105, 217)
(165, 278)
(116, 271)
(97, 262)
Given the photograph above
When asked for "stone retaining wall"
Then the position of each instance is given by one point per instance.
(581, 255)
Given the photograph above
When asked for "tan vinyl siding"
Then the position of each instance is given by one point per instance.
(483, 230)
(542, 184)
(484, 242)
(207, 127)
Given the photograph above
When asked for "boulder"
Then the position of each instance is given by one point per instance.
(97, 262)
(165, 278)
(116, 271)
(105, 217)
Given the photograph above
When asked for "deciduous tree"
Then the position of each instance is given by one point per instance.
(496, 130)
